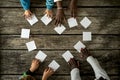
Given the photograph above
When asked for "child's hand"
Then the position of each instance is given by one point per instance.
(60, 17)
(35, 64)
(73, 8)
(49, 13)
(47, 73)
(27, 14)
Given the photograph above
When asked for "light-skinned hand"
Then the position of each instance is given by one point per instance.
(49, 13)
(47, 73)
(27, 14)
(35, 64)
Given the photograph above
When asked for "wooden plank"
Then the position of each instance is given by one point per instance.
(18, 61)
(38, 77)
(37, 3)
(64, 41)
(102, 23)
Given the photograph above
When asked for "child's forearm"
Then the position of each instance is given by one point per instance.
(25, 4)
(44, 78)
(29, 72)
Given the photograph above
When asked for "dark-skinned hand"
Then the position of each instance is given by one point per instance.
(60, 17)
(73, 8)
(74, 63)
(84, 53)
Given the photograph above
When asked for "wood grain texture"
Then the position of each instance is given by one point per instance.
(12, 22)
(38, 77)
(18, 61)
(60, 42)
(105, 46)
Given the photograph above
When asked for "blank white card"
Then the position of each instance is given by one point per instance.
(25, 33)
(54, 65)
(67, 56)
(59, 29)
(41, 56)
(78, 46)
(46, 20)
(31, 46)
(87, 36)
(72, 22)
(32, 20)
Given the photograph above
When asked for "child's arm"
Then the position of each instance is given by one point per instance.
(25, 4)
(49, 6)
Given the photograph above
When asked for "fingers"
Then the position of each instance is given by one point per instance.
(27, 16)
(46, 69)
(36, 61)
(49, 70)
(72, 61)
(84, 50)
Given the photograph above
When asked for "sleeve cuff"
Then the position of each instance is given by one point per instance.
(29, 73)
(49, 7)
(89, 58)
(57, 0)
(26, 8)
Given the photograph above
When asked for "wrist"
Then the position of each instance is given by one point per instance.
(32, 70)
(44, 78)
(27, 10)
(59, 8)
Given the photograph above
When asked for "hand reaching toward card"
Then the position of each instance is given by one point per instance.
(84, 53)
(27, 14)
(73, 8)
(47, 73)
(60, 17)
(35, 64)
(49, 13)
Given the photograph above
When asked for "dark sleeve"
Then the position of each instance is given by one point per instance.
(29, 73)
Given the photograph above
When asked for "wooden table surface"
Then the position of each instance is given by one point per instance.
(105, 44)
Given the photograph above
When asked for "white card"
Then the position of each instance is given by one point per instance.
(41, 56)
(46, 20)
(87, 36)
(54, 65)
(72, 22)
(85, 22)
(32, 20)
(25, 33)
(31, 46)
(67, 56)
(78, 46)
(60, 29)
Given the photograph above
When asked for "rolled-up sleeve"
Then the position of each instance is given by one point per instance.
(49, 4)
(25, 4)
